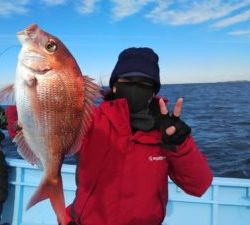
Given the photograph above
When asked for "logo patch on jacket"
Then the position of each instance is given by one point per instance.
(156, 158)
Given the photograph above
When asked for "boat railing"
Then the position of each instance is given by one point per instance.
(226, 202)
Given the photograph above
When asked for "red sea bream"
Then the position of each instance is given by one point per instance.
(54, 104)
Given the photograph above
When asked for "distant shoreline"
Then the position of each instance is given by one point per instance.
(217, 82)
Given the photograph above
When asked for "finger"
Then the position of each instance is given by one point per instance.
(163, 107)
(170, 130)
(178, 106)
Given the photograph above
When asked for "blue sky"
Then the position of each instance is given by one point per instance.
(197, 41)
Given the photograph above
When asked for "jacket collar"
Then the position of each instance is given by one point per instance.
(118, 114)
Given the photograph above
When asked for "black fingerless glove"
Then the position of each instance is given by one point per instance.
(181, 133)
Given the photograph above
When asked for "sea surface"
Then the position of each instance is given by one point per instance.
(219, 115)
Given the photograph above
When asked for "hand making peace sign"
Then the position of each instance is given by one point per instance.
(175, 131)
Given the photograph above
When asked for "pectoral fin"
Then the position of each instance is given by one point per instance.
(7, 95)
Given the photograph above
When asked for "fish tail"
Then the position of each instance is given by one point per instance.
(53, 190)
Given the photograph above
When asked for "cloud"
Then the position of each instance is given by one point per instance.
(54, 2)
(242, 17)
(221, 13)
(126, 8)
(183, 12)
(87, 6)
(240, 33)
(10, 7)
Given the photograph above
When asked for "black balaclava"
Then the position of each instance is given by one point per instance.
(139, 97)
(143, 64)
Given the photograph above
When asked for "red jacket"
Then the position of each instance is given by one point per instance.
(122, 177)
(11, 114)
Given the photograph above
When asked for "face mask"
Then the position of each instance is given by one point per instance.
(138, 95)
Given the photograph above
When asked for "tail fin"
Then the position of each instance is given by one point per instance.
(53, 190)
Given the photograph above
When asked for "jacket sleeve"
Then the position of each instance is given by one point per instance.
(11, 114)
(68, 218)
(189, 168)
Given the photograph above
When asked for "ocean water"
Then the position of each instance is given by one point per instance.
(219, 115)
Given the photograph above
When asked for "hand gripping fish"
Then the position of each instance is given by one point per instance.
(54, 105)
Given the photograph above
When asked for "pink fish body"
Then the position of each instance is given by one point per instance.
(53, 102)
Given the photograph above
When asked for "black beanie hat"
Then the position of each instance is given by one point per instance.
(137, 62)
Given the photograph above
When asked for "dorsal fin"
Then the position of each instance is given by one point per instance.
(91, 92)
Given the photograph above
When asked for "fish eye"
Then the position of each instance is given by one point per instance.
(51, 46)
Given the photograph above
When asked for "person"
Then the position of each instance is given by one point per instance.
(3, 165)
(3, 181)
(133, 145)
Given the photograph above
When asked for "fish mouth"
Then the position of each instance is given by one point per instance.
(28, 33)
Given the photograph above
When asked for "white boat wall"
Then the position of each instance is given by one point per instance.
(226, 202)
